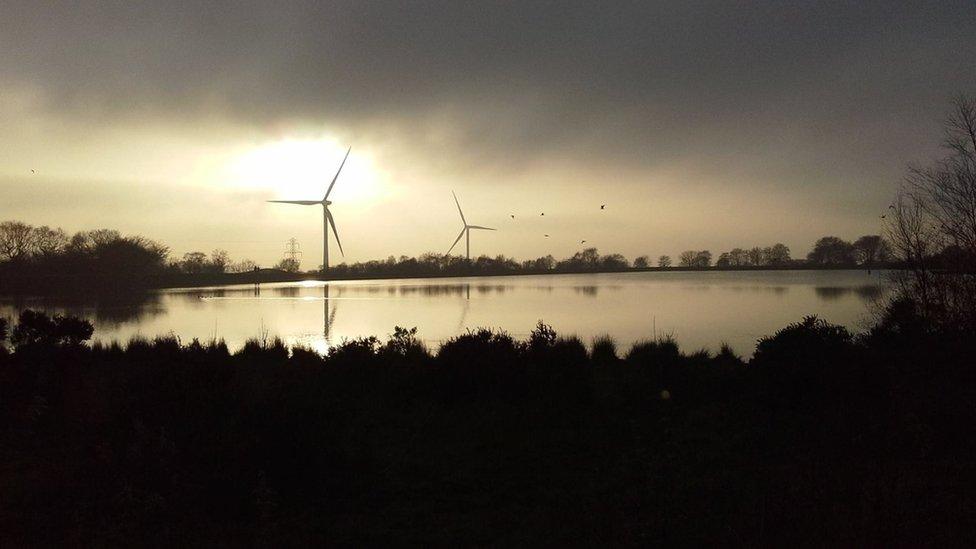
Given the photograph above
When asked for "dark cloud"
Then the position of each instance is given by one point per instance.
(821, 99)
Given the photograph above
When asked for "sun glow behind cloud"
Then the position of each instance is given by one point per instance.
(301, 169)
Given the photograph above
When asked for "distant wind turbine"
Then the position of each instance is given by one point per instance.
(465, 230)
(326, 215)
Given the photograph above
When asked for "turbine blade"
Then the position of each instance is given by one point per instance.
(328, 216)
(337, 175)
(482, 228)
(460, 234)
(300, 202)
(459, 208)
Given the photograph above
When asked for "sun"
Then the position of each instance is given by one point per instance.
(301, 169)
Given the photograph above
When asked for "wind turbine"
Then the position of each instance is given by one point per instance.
(465, 230)
(326, 215)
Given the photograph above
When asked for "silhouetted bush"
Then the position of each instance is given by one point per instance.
(170, 443)
(604, 351)
(404, 344)
(804, 351)
(36, 328)
(541, 339)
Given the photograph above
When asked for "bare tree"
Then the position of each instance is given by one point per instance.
(691, 258)
(219, 260)
(932, 226)
(664, 261)
(16, 240)
(871, 249)
(48, 241)
(194, 262)
(243, 266)
(738, 257)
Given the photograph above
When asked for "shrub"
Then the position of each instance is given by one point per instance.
(604, 350)
(404, 344)
(726, 356)
(352, 352)
(542, 337)
(647, 353)
(660, 363)
(480, 361)
(807, 361)
(36, 328)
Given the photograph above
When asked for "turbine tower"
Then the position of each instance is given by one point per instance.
(465, 230)
(326, 215)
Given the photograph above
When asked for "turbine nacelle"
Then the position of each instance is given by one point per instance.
(465, 230)
(327, 220)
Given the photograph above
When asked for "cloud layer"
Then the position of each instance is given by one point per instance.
(817, 103)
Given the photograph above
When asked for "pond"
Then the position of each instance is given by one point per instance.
(701, 309)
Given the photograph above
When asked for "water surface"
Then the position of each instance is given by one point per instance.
(701, 309)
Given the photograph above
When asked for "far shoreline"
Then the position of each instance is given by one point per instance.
(73, 285)
(271, 276)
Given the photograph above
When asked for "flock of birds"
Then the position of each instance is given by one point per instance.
(602, 207)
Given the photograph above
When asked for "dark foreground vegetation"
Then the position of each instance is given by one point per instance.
(821, 438)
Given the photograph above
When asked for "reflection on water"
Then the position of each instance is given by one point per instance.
(701, 309)
(867, 293)
(104, 311)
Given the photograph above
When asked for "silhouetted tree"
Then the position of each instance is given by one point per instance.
(135, 256)
(777, 254)
(831, 250)
(193, 262)
(664, 261)
(546, 263)
(588, 259)
(48, 241)
(289, 265)
(738, 257)
(701, 259)
(614, 261)
(219, 260)
(871, 250)
(932, 227)
(756, 257)
(243, 266)
(641, 262)
(15, 240)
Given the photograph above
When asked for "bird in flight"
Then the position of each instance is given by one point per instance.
(543, 213)
(513, 216)
(582, 242)
(547, 236)
(603, 206)
(882, 217)
(32, 171)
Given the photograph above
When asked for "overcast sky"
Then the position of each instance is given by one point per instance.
(700, 125)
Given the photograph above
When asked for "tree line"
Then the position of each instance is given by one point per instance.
(828, 251)
(42, 251)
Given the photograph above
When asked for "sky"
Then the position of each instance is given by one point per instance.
(700, 125)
